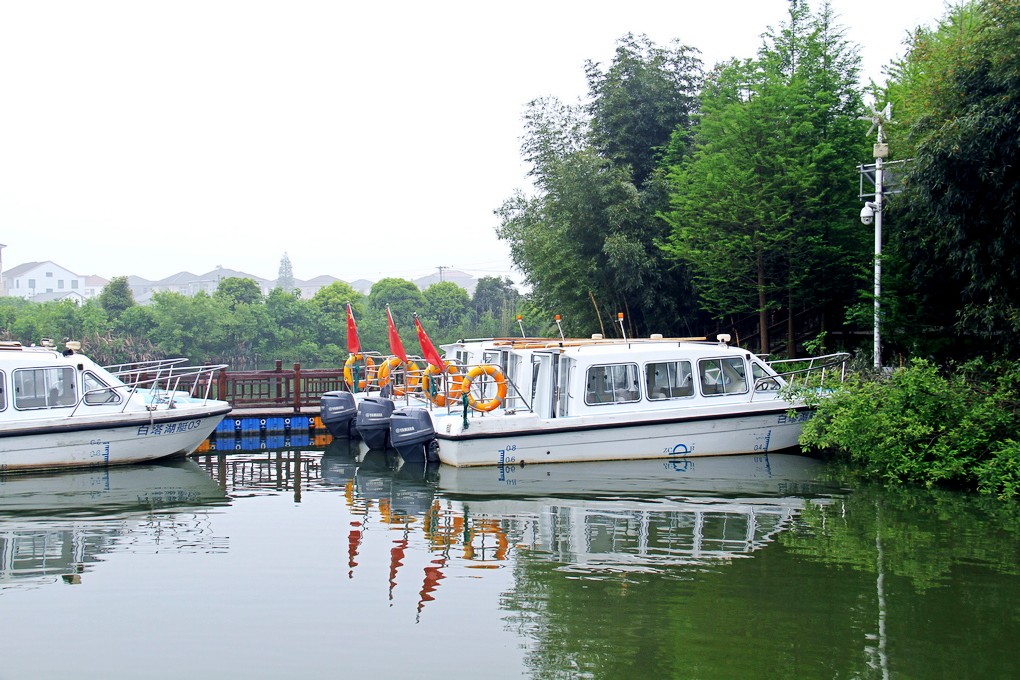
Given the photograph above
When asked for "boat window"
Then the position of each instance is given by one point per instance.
(612, 384)
(758, 371)
(44, 387)
(669, 380)
(95, 392)
(3, 390)
(722, 376)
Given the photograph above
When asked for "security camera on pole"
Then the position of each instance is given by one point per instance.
(872, 212)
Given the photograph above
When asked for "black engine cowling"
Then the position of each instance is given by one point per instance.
(338, 411)
(373, 421)
(412, 434)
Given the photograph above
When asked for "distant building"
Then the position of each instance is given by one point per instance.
(37, 278)
(94, 285)
(462, 279)
(72, 295)
(41, 281)
(312, 286)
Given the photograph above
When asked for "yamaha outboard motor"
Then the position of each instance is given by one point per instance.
(338, 411)
(412, 434)
(373, 421)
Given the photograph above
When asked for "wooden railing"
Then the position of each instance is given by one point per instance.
(295, 388)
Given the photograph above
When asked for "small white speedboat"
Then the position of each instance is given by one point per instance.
(62, 410)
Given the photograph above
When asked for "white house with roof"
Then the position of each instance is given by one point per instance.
(38, 278)
(94, 285)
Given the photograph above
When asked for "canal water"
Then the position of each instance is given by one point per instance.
(343, 564)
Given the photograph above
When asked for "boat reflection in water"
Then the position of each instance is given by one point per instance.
(634, 515)
(589, 518)
(427, 522)
(54, 525)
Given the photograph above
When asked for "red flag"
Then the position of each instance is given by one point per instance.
(353, 341)
(428, 350)
(396, 346)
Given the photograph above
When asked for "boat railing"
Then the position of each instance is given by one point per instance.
(809, 372)
(163, 384)
(484, 390)
(142, 367)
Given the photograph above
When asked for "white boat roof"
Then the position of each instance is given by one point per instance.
(16, 354)
(637, 349)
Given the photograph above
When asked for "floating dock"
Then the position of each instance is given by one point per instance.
(256, 429)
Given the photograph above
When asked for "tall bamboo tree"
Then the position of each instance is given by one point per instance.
(763, 208)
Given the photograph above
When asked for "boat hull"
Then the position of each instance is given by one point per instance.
(520, 442)
(87, 442)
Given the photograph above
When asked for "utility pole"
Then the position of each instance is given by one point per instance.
(872, 211)
(441, 268)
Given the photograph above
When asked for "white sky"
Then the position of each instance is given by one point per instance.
(364, 139)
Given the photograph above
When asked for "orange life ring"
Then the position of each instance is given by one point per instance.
(363, 383)
(411, 379)
(497, 377)
(441, 398)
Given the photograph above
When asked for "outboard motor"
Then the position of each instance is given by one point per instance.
(373, 421)
(412, 434)
(338, 411)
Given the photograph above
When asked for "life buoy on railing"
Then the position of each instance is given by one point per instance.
(497, 377)
(363, 383)
(440, 398)
(411, 379)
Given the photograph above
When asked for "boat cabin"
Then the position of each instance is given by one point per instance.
(570, 378)
(34, 378)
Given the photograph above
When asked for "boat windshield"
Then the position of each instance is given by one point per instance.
(762, 380)
(722, 376)
(98, 392)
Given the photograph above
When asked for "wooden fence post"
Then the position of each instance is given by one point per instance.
(297, 388)
(278, 380)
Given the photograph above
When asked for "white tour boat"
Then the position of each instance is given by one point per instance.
(64, 410)
(524, 401)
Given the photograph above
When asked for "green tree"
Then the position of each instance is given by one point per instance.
(285, 277)
(329, 313)
(761, 207)
(245, 337)
(403, 297)
(12, 309)
(956, 97)
(638, 101)
(447, 305)
(116, 296)
(191, 327)
(586, 242)
(494, 304)
(138, 321)
(238, 291)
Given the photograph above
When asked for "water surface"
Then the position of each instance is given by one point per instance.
(337, 563)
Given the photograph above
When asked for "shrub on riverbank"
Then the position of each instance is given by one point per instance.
(956, 427)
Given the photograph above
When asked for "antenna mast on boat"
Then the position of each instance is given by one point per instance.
(619, 318)
(521, 325)
(562, 337)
